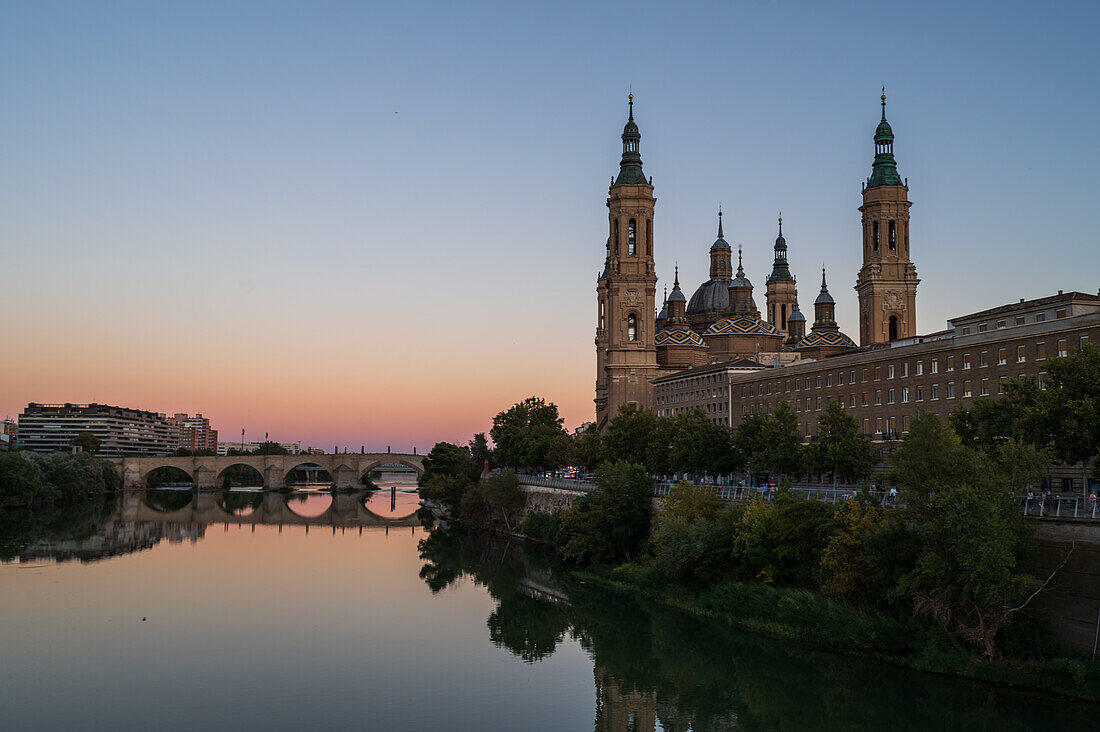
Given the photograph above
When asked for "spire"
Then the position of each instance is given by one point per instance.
(720, 235)
(740, 269)
(823, 287)
(630, 167)
(676, 282)
(884, 171)
(780, 270)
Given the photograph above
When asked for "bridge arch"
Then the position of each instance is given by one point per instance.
(412, 465)
(242, 474)
(310, 463)
(163, 500)
(174, 466)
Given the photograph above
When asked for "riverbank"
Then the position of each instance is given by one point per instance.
(811, 618)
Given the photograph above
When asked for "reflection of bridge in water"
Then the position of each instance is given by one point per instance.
(346, 510)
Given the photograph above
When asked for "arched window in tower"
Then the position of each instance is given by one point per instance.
(632, 327)
(874, 235)
(783, 316)
(906, 251)
(648, 238)
(892, 237)
(616, 237)
(602, 316)
(893, 327)
(631, 238)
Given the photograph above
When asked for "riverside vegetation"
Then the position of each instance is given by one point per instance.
(937, 585)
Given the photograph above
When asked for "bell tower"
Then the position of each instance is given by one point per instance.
(626, 354)
(782, 287)
(887, 282)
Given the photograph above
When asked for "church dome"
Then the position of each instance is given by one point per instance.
(824, 298)
(711, 295)
(797, 315)
(826, 338)
(676, 296)
(743, 325)
(679, 337)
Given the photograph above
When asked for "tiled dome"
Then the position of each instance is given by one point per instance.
(743, 325)
(826, 338)
(679, 337)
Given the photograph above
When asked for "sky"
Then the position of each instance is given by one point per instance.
(377, 225)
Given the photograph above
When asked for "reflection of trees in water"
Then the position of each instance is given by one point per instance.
(167, 501)
(74, 522)
(689, 672)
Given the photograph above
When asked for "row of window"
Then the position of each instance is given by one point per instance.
(1017, 320)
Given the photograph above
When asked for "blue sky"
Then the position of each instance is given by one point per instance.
(237, 188)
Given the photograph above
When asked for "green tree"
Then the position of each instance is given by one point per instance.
(87, 442)
(493, 502)
(782, 541)
(640, 437)
(268, 447)
(448, 472)
(530, 435)
(689, 502)
(749, 441)
(699, 446)
(839, 449)
(782, 445)
(967, 576)
(480, 451)
(1071, 402)
(610, 524)
(588, 448)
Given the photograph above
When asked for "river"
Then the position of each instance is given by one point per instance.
(160, 610)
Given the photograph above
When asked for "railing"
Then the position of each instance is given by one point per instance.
(1060, 507)
(1040, 507)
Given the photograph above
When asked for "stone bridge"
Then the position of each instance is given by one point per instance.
(272, 509)
(347, 469)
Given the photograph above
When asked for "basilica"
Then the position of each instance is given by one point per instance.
(721, 322)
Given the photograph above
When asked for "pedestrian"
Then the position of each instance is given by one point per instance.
(893, 493)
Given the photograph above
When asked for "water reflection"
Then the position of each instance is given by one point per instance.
(655, 668)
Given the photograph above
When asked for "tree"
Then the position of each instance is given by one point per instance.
(480, 451)
(699, 446)
(270, 448)
(748, 439)
(448, 472)
(530, 435)
(610, 524)
(640, 437)
(87, 442)
(494, 501)
(689, 502)
(588, 448)
(962, 507)
(838, 448)
(1071, 402)
(781, 541)
(782, 445)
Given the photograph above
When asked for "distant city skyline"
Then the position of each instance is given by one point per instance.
(361, 226)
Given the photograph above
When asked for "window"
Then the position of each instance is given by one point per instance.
(1019, 320)
(1020, 357)
(920, 394)
(934, 367)
(1042, 379)
(893, 327)
(601, 314)
(878, 397)
(864, 398)
(966, 388)
(840, 378)
(892, 230)
(966, 330)
(866, 425)
(905, 370)
(632, 327)
(631, 238)
(878, 373)
(1062, 352)
(1000, 324)
(890, 371)
(1040, 317)
(983, 359)
(905, 395)
(985, 387)
(890, 396)
(852, 377)
(951, 390)
(852, 401)
(983, 327)
(1002, 356)
(819, 404)
(864, 374)
(818, 383)
(874, 235)
(920, 368)
(1084, 340)
(950, 363)
(966, 361)
(1060, 313)
(828, 380)
(934, 391)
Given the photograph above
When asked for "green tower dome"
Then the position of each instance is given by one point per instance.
(884, 172)
(630, 167)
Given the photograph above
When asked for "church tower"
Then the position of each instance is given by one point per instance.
(782, 288)
(887, 282)
(626, 354)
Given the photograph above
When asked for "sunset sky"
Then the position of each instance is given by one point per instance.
(379, 225)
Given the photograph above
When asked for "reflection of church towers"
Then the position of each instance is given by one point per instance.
(782, 289)
(626, 356)
(887, 282)
(618, 710)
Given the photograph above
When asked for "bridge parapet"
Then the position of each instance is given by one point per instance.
(347, 469)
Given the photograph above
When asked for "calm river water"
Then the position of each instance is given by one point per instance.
(163, 611)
